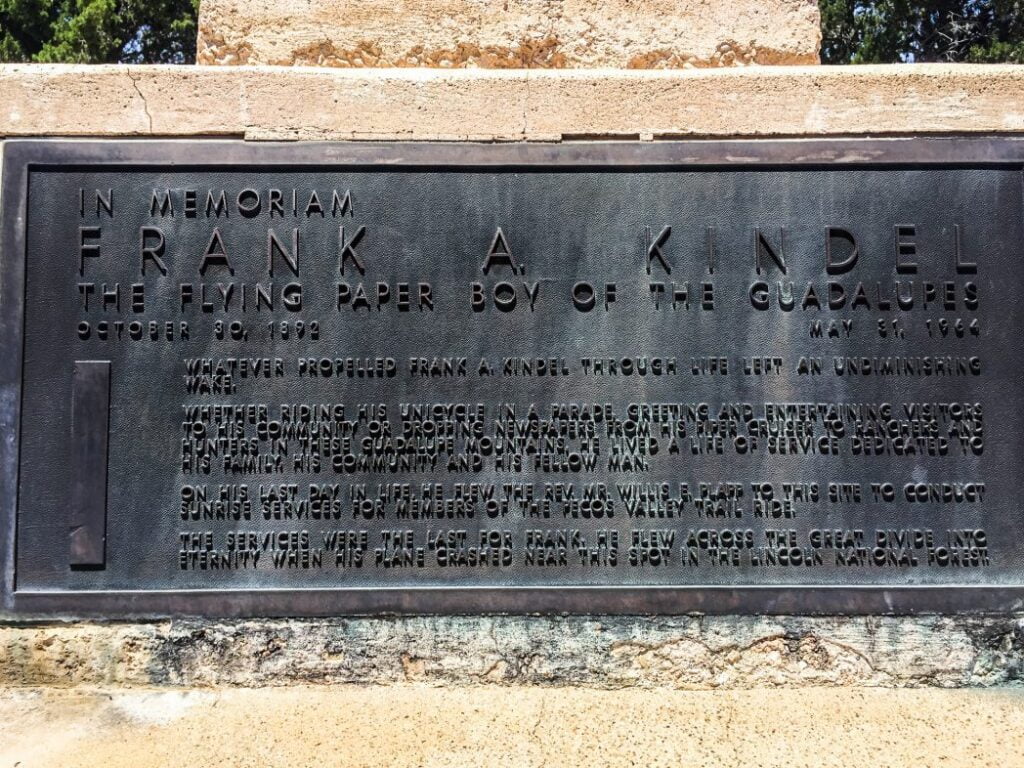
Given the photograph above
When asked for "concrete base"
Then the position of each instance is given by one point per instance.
(520, 726)
(723, 652)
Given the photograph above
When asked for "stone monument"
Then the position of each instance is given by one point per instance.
(521, 383)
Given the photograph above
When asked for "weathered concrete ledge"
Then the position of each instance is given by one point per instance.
(597, 652)
(419, 726)
(289, 103)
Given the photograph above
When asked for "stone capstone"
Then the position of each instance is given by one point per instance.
(298, 103)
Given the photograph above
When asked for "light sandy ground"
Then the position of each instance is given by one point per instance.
(411, 725)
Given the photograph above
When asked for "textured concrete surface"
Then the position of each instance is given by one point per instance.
(598, 652)
(503, 34)
(521, 726)
(507, 105)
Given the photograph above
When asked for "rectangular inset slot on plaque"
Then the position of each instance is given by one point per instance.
(90, 411)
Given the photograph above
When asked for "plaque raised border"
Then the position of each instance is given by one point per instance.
(20, 156)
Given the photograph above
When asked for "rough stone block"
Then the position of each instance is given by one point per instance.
(501, 34)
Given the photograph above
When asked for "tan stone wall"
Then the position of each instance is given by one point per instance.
(502, 34)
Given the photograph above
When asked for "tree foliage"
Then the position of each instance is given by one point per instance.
(98, 31)
(904, 30)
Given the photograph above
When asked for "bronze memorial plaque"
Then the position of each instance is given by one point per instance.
(761, 376)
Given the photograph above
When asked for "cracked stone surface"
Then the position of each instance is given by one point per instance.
(410, 725)
(145, 104)
(504, 34)
(685, 653)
